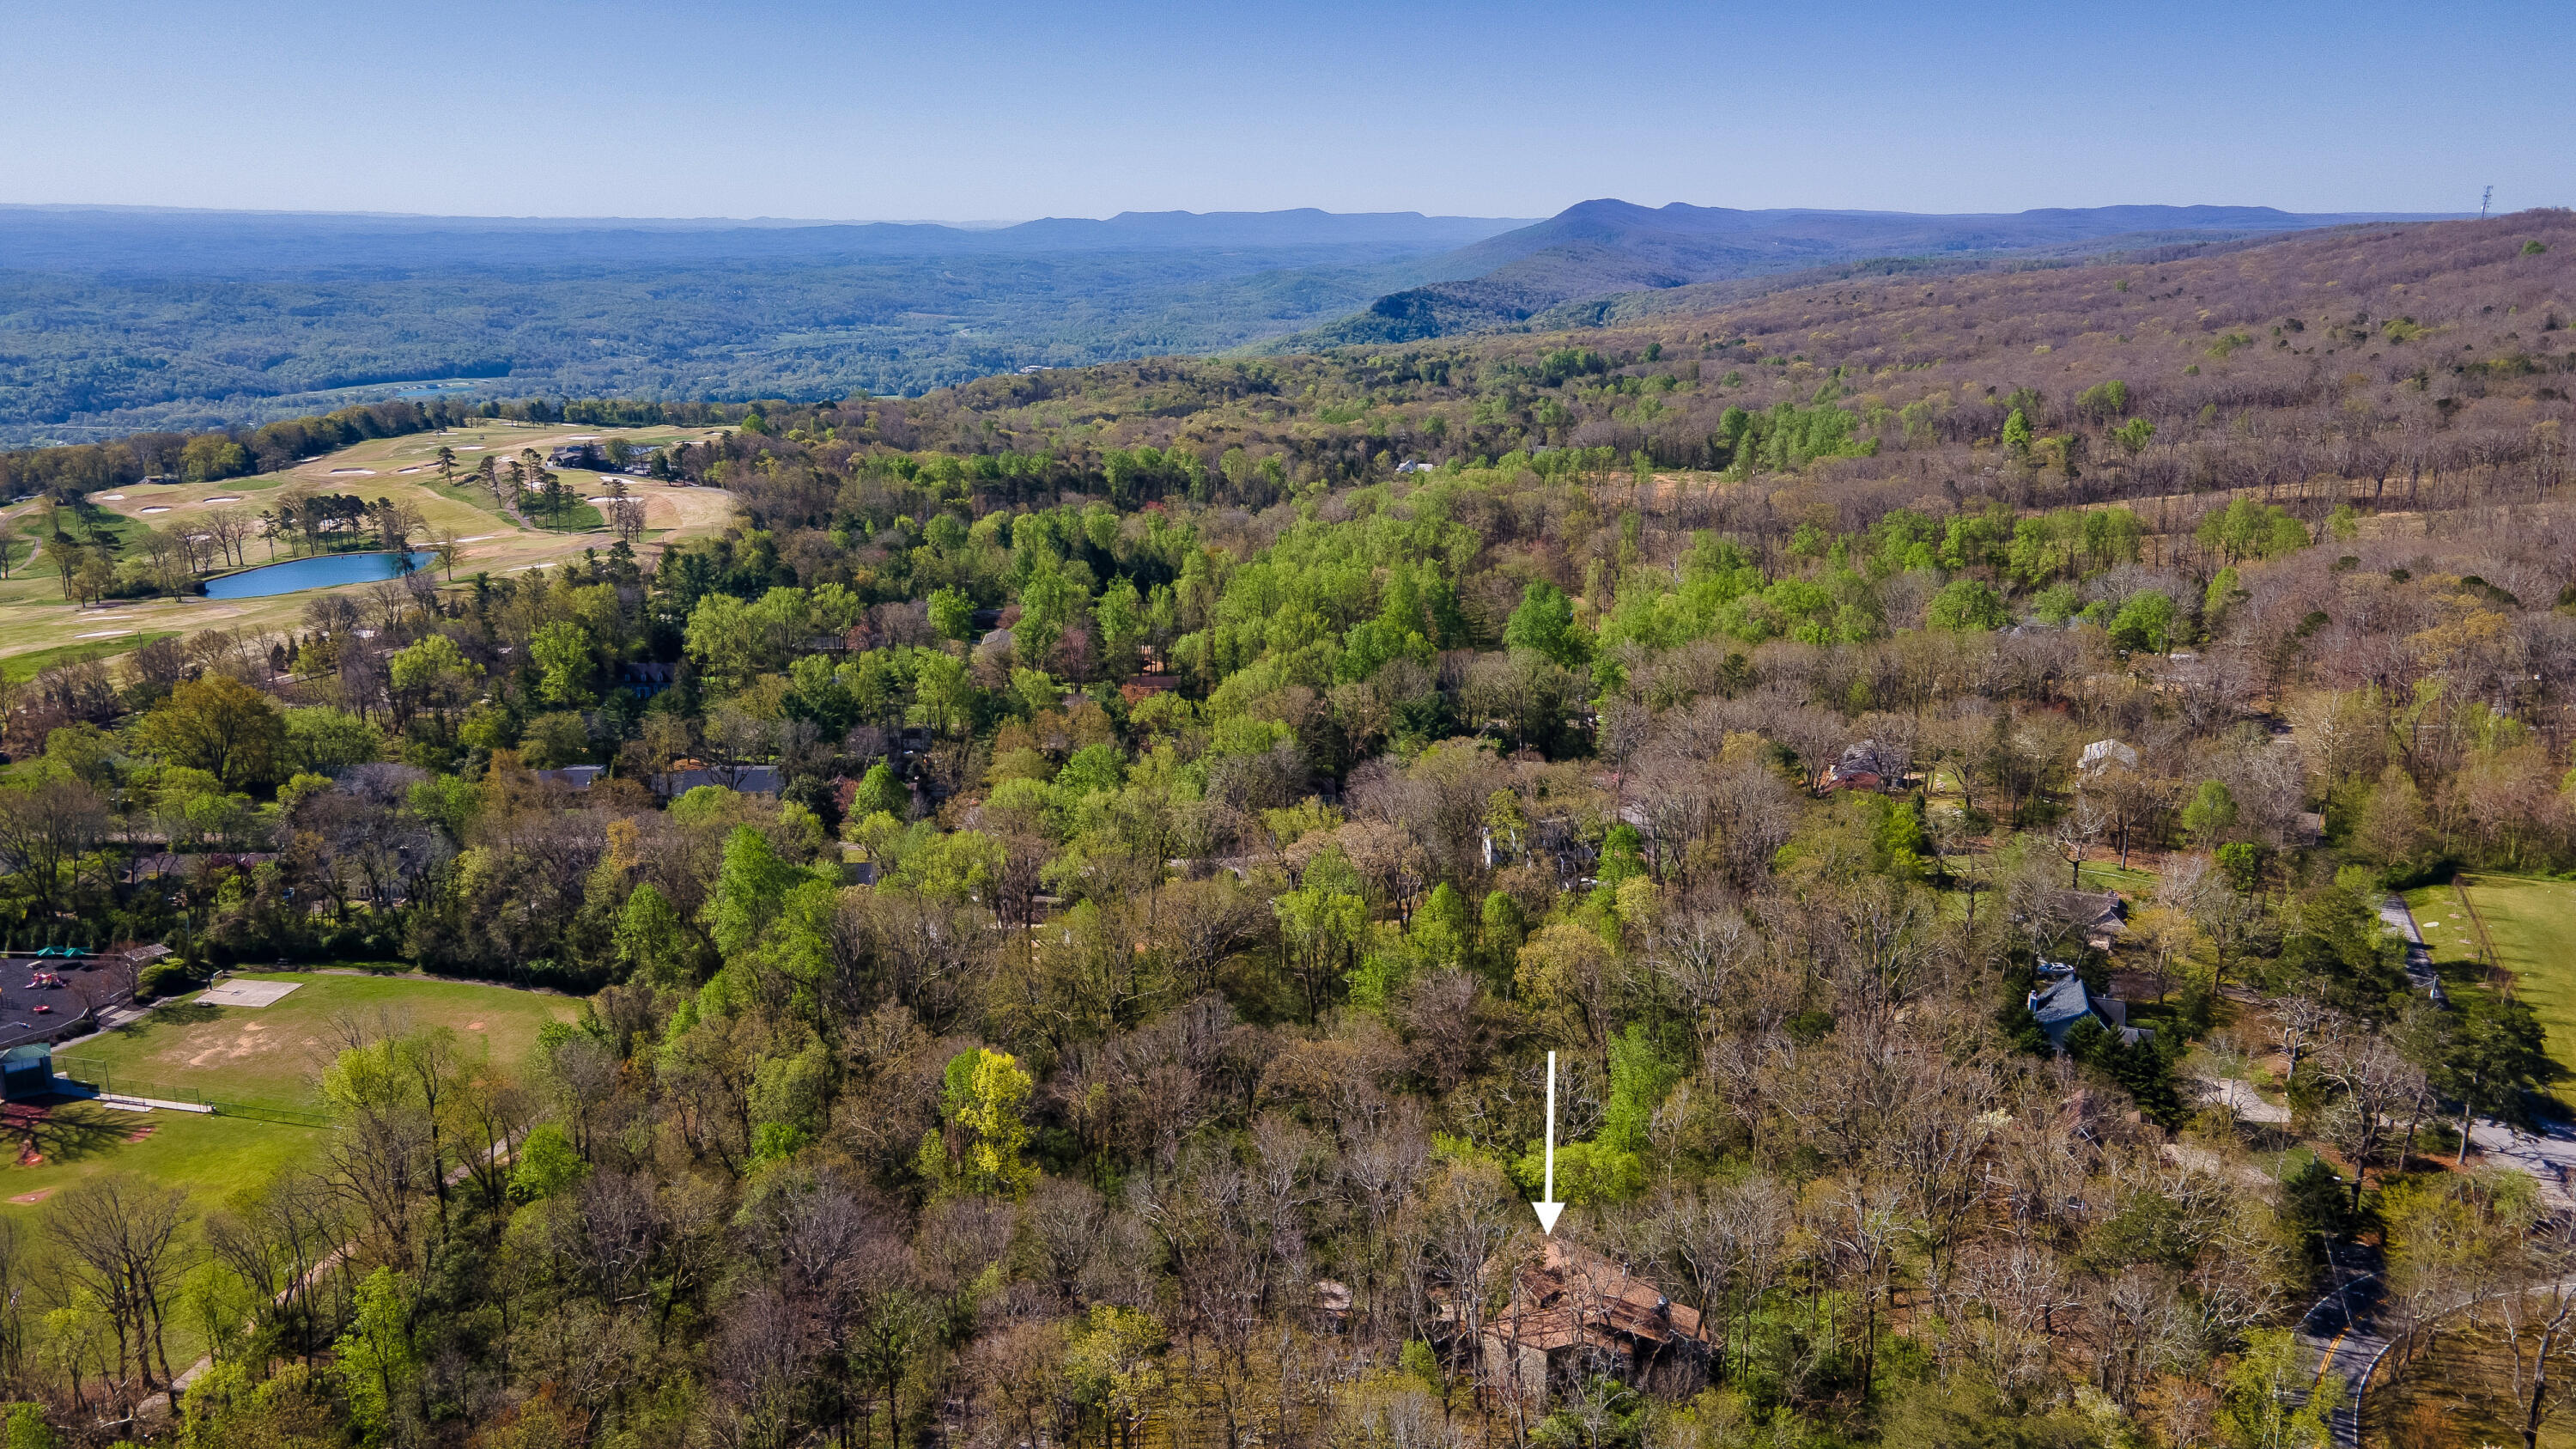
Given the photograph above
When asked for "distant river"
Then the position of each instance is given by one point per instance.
(319, 572)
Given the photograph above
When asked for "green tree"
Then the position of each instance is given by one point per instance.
(2494, 1062)
(377, 1360)
(2145, 624)
(880, 793)
(1115, 1368)
(751, 890)
(432, 676)
(650, 937)
(1545, 622)
(221, 726)
(1966, 606)
(952, 613)
(562, 650)
(2272, 1400)
(2211, 813)
(546, 1164)
(23, 1426)
(984, 1134)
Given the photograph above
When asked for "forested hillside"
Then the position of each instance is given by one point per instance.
(1605, 248)
(1079, 890)
(114, 321)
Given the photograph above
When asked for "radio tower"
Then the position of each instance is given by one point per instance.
(2486, 201)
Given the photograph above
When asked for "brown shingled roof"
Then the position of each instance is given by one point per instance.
(1572, 1294)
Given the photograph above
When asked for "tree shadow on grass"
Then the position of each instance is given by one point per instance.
(75, 1129)
(186, 1013)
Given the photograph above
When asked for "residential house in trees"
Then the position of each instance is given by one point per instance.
(1574, 1313)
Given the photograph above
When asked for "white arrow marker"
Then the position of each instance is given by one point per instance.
(1548, 1210)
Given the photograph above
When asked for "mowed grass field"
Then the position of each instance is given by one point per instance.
(2532, 924)
(208, 1157)
(34, 616)
(272, 1055)
(261, 1054)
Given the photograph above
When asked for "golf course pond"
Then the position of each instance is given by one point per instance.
(321, 572)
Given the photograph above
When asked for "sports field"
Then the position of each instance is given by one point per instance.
(209, 1157)
(2532, 927)
(270, 1056)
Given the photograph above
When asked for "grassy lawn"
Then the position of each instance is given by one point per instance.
(270, 1055)
(211, 1157)
(2106, 875)
(2533, 925)
(2458, 1391)
(19, 668)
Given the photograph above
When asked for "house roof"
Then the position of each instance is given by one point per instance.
(2098, 910)
(1571, 1295)
(2060, 1004)
(2102, 754)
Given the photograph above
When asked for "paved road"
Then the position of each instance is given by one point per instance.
(2550, 1157)
(2341, 1330)
(2419, 959)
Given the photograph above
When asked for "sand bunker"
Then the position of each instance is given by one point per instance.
(152, 510)
(353, 472)
(111, 498)
(414, 469)
(226, 498)
(108, 634)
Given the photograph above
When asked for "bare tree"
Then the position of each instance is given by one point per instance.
(122, 1249)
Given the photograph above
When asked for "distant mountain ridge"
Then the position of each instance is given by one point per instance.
(179, 242)
(1607, 247)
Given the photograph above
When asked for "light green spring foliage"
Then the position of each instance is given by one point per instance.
(979, 1150)
(2257, 1412)
(1611, 1165)
(2211, 812)
(1967, 606)
(1115, 1364)
(563, 650)
(547, 1163)
(2246, 529)
(376, 1361)
(23, 1426)
(2017, 435)
(2146, 623)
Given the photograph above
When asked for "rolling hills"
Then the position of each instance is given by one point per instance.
(115, 320)
(1608, 247)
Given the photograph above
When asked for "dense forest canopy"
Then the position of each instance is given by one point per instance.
(1080, 887)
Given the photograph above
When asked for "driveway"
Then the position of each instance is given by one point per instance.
(2419, 960)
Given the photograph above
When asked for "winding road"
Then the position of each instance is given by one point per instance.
(2341, 1329)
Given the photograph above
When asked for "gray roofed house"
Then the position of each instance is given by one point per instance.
(748, 779)
(2098, 915)
(2102, 755)
(2062, 1002)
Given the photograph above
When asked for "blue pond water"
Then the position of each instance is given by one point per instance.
(319, 572)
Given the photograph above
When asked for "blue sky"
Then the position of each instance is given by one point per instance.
(1007, 110)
